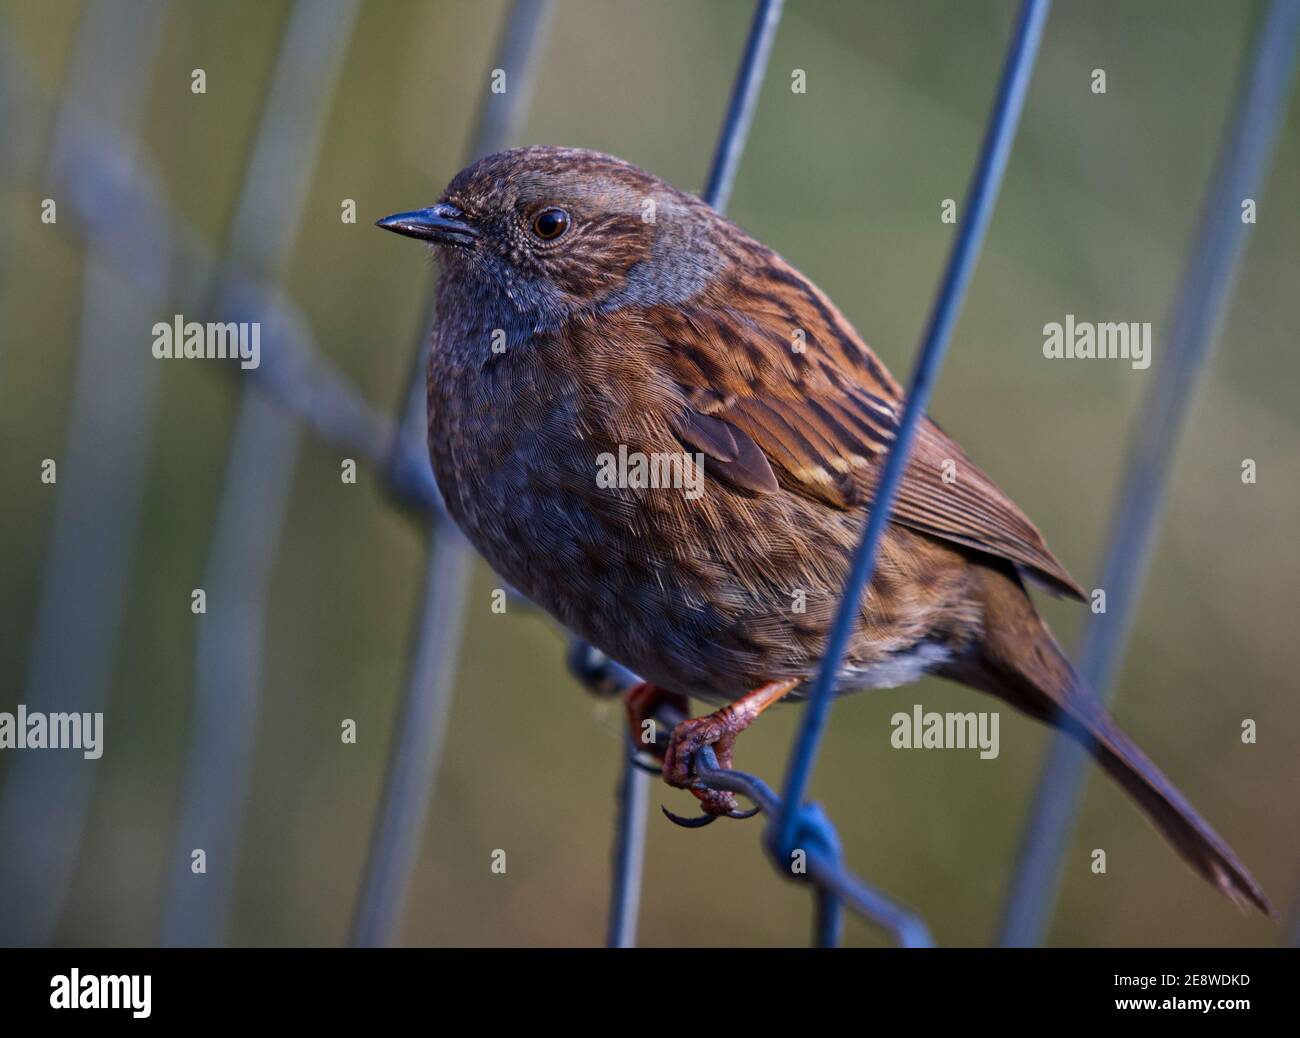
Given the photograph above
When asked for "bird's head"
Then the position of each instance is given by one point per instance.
(558, 230)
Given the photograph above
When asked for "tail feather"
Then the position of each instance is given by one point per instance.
(1020, 661)
(1173, 815)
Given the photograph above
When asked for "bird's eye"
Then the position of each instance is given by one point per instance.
(549, 224)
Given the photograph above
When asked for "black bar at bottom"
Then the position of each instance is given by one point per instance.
(460, 987)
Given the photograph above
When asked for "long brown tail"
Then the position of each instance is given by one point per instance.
(1019, 660)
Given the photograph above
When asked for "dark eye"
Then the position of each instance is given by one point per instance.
(549, 224)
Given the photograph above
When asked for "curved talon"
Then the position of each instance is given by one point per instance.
(706, 819)
(689, 823)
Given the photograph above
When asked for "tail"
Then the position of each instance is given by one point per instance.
(1019, 660)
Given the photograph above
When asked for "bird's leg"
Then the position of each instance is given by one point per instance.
(642, 702)
(719, 730)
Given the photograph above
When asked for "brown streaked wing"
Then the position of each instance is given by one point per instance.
(823, 422)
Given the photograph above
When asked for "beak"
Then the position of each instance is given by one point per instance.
(441, 223)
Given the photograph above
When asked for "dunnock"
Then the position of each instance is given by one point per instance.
(588, 311)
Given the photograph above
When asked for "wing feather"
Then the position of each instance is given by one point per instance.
(819, 424)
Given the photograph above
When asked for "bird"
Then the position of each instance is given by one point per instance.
(588, 310)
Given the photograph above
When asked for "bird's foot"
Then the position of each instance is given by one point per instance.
(719, 730)
(688, 739)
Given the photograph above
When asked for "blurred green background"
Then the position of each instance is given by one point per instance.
(846, 181)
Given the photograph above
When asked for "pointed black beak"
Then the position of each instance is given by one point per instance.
(441, 223)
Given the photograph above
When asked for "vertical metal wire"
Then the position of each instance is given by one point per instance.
(828, 919)
(101, 473)
(978, 210)
(629, 852)
(419, 735)
(408, 788)
(742, 104)
(1244, 157)
(634, 784)
(259, 475)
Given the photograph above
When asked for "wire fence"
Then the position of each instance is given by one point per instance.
(143, 254)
